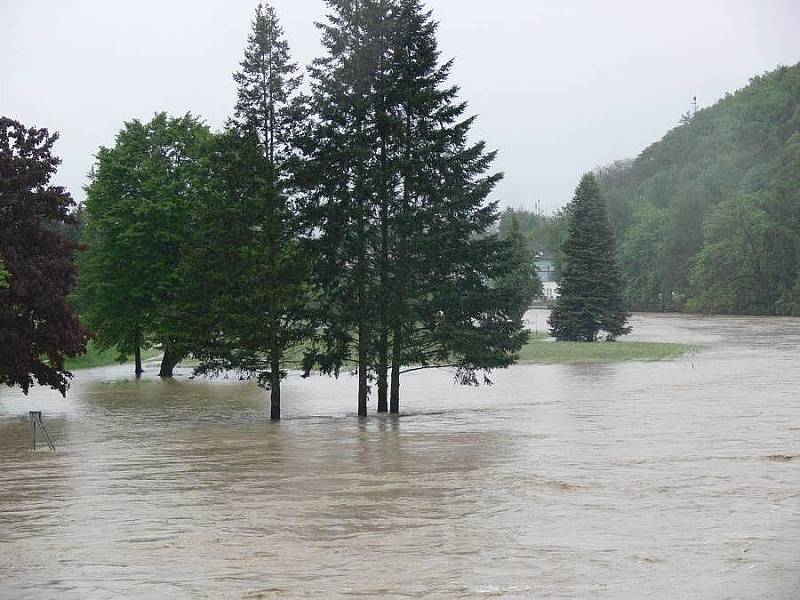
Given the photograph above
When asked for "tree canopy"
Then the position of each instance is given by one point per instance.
(38, 327)
(138, 207)
(399, 196)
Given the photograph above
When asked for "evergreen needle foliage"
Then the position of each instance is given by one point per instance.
(398, 195)
(590, 298)
(251, 291)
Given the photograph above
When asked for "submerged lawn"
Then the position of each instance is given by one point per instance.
(102, 358)
(541, 349)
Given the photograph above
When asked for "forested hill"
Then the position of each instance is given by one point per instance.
(708, 218)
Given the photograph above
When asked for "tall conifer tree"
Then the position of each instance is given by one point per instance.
(400, 196)
(590, 298)
(448, 311)
(343, 151)
(260, 287)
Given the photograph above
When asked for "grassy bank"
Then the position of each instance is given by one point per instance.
(539, 350)
(542, 350)
(102, 358)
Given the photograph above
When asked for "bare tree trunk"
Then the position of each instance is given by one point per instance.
(383, 378)
(169, 361)
(383, 349)
(363, 387)
(397, 348)
(138, 355)
(275, 387)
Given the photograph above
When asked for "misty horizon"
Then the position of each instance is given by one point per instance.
(558, 90)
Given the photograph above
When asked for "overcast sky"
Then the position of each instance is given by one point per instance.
(560, 87)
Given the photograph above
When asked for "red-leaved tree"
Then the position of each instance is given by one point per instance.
(38, 327)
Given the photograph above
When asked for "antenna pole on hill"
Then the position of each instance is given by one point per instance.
(694, 105)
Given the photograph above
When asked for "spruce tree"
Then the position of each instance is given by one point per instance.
(521, 283)
(341, 173)
(590, 299)
(257, 284)
(448, 308)
(3, 276)
(399, 198)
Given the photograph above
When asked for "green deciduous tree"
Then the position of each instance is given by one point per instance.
(138, 211)
(740, 265)
(641, 258)
(590, 298)
(38, 327)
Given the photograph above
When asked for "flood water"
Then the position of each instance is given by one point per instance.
(677, 479)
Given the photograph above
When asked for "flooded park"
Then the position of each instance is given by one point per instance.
(674, 479)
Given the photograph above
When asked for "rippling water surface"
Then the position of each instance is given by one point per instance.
(670, 480)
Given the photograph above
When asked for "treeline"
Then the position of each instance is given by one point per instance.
(708, 218)
(339, 225)
(545, 234)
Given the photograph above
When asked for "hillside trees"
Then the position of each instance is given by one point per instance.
(138, 208)
(590, 298)
(738, 268)
(38, 327)
(739, 155)
(641, 259)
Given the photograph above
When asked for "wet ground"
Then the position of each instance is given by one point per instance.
(673, 480)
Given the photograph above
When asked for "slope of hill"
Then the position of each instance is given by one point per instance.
(708, 218)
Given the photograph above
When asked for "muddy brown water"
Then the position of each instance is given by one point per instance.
(676, 479)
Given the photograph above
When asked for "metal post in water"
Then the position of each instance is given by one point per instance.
(33, 418)
(36, 419)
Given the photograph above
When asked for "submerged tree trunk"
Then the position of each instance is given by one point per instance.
(169, 362)
(383, 343)
(138, 355)
(394, 398)
(383, 359)
(275, 388)
(363, 387)
(383, 383)
(383, 349)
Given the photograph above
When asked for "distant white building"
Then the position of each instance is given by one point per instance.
(546, 268)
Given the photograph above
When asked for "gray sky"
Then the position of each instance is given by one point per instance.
(560, 86)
